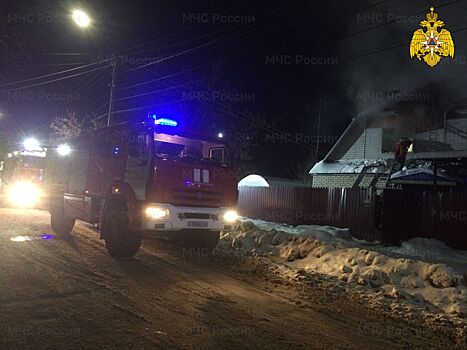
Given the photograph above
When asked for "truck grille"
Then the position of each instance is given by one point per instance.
(194, 195)
(204, 216)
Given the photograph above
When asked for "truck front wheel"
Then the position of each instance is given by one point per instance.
(119, 240)
(61, 224)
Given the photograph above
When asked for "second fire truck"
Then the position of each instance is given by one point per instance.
(21, 177)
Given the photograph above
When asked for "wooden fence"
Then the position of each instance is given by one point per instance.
(439, 215)
(346, 207)
(393, 216)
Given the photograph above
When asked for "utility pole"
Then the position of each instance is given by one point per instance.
(319, 124)
(112, 91)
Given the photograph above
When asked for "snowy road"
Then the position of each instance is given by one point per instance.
(69, 294)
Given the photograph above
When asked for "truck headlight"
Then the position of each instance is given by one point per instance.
(157, 213)
(230, 216)
(24, 194)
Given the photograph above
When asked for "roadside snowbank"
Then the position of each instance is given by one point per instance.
(332, 251)
(429, 249)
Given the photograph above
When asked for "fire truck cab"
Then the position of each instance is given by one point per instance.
(140, 180)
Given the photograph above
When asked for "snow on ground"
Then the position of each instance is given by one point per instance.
(419, 271)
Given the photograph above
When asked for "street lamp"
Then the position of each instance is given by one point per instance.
(81, 18)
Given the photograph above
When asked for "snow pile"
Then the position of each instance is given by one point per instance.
(429, 249)
(332, 251)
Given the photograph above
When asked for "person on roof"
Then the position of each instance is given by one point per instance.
(401, 149)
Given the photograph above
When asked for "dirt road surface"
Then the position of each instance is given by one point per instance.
(67, 293)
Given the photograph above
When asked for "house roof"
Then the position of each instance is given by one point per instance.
(351, 134)
(421, 172)
(421, 176)
(350, 167)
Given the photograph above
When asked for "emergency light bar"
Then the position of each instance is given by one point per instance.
(164, 121)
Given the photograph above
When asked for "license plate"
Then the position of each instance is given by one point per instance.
(198, 224)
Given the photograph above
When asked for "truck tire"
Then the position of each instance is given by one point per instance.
(60, 223)
(120, 242)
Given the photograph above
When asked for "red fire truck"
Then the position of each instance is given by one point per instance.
(140, 180)
(21, 175)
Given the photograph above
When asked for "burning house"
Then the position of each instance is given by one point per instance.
(410, 145)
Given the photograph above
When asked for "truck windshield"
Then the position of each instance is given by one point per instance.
(33, 162)
(181, 147)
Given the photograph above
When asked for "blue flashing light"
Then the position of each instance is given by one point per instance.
(164, 121)
(117, 151)
(47, 237)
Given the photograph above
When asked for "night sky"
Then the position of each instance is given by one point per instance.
(248, 68)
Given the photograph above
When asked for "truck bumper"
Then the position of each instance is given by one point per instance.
(186, 218)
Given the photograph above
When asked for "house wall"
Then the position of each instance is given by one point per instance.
(456, 140)
(343, 180)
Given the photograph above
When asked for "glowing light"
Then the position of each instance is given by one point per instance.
(20, 239)
(24, 194)
(230, 216)
(157, 213)
(31, 144)
(64, 150)
(164, 121)
(42, 236)
(81, 18)
(220, 135)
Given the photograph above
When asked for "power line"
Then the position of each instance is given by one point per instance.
(46, 64)
(137, 108)
(82, 84)
(56, 73)
(47, 54)
(156, 91)
(164, 77)
(52, 81)
(94, 80)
